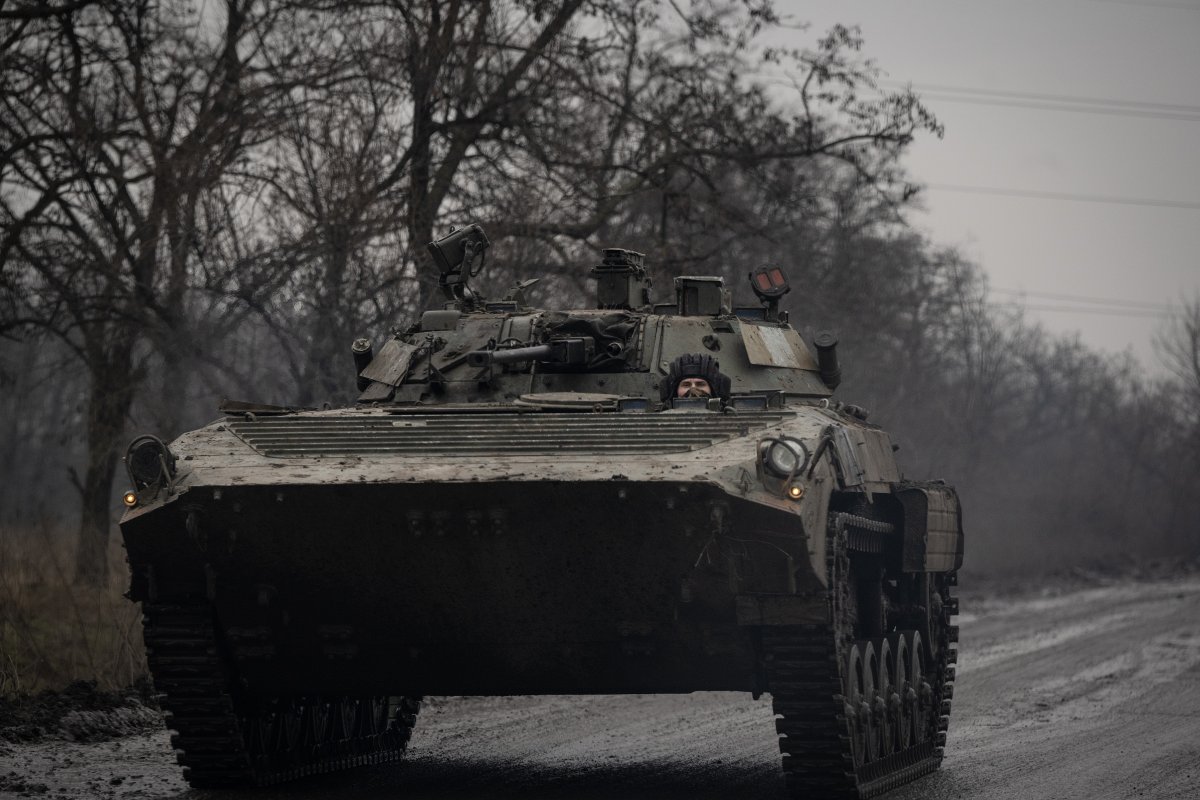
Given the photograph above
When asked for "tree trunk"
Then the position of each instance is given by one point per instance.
(421, 211)
(109, 399)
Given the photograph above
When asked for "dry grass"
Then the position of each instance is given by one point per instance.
(54, 632)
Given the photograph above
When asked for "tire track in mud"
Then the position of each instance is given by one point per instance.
(703, 745)
(1093, 694)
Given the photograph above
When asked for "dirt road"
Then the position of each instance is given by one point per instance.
(1092, 694)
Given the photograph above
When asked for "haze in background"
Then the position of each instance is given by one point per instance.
(1089, 112)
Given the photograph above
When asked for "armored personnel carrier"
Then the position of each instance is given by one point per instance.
(632, 497)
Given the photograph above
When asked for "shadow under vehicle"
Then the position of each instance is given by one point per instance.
(518, 504)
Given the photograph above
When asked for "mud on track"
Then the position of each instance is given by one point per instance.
(1089, 694)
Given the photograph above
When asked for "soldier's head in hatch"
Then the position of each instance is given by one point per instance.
(695, 375)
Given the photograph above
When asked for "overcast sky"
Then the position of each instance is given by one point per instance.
(1105, 173)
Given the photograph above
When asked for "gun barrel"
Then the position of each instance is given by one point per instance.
(573, 350)
(482, 358)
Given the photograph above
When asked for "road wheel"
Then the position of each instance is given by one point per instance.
(922, 700)
(903, 697)
(882, 717)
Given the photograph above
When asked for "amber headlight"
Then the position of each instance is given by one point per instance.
(785, 457)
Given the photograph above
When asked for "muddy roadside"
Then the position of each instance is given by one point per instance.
(82, 742)
(77, 743)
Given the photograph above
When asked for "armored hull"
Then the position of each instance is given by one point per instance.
(487, 523)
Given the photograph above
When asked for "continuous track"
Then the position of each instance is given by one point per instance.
(225, 740)
(854, 718)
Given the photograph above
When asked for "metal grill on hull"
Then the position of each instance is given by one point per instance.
(474, 434)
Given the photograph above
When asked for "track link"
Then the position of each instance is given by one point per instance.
(223, 740)
(806, 670)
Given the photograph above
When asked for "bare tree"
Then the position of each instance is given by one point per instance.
(1178, 346)
(563, 127)
(670, 135)
(120, 121)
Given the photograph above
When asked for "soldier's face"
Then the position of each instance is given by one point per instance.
(693, 387)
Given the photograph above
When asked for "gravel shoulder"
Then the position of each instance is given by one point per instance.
(1084, 693)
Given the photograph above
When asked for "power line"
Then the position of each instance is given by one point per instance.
(1082, 198)
(1105, 301)
(1110, 312)
(1150, 4)
(1042, 96)
(1081, 109)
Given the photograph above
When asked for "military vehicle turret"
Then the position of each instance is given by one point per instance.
(632, 497)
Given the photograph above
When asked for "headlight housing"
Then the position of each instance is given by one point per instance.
(149, 462)
(785, 457)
